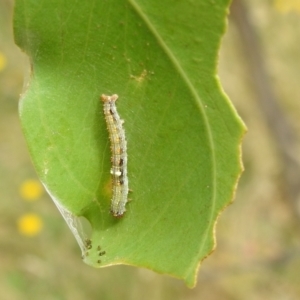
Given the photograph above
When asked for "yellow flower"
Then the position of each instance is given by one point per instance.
(2, 61)
(31, 190)
(287, 5)
(30, 224)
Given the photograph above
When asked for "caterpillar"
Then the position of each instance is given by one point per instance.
(118, 146)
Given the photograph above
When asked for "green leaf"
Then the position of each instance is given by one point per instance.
(183, 135)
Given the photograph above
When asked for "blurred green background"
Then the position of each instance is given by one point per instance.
(258, 245)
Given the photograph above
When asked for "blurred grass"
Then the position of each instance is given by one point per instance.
(257, 255)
